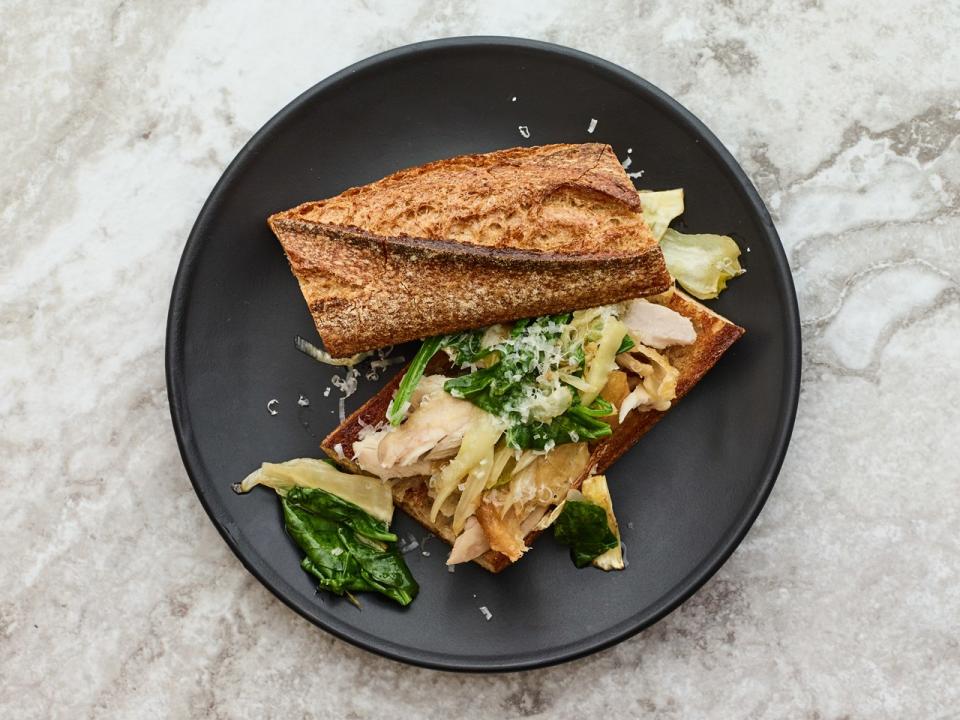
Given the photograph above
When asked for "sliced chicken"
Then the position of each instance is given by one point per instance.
(436, 423)
(638, 398)
(473, 542)
(428, 385)
(446, 448)
(628, 361)
(366, 456)
(470, 544)
(658, 326)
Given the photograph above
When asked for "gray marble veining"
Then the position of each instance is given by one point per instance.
(119, 599)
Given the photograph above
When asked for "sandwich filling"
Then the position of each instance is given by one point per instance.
(501, 436)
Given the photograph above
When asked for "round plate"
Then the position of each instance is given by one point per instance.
(685, 495)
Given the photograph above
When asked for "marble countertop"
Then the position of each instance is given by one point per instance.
(118, 597)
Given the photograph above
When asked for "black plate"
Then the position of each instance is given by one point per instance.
(685, 496)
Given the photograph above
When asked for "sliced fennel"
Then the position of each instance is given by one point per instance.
(369, 494)
(702, 264)
(603, 362)
(479, 438)
(660, 209)
(473, 489)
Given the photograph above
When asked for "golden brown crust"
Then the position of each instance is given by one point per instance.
(529, 231)
(715, 335)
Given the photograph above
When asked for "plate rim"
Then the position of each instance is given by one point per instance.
(693, 580)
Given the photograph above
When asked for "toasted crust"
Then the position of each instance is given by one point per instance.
(529, 231)
(715, 334)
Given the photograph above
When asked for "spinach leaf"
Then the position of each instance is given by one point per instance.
(583, 526)
(626, 344)
(470, 385)
(333, 507)
(326, 558)
(578, 424)
(412, 378)
(467, 347)
(346, 549)
(505, 386)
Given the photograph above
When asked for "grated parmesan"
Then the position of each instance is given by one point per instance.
(635, 175)
(592, 126)
(627, 162)
(311, 350)
(408, 544)
(346, 385)
(303, 401)
(367, 430)
(273, 406)
(486, 613)
(524, 131)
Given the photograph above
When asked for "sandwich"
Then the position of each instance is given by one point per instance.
(485, 434)
(542, 286)
(530, 231)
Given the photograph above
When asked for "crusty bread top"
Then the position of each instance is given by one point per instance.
(366, 292)
(553, 198)
(471, 241)
(715, 335)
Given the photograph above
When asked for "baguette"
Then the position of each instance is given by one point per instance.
(468, 242)
(715, 334)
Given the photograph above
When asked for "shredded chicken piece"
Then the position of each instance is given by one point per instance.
(446, 448)
(428, 385)
(366, 456)
(470, 544)
(629, 362)
(638, 397)
(439, 419)
(661, 385)
(657, 326)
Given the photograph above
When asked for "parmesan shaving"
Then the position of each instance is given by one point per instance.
(311, 350)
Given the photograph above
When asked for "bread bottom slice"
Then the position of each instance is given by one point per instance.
(715, 334)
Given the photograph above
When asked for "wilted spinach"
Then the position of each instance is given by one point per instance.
(583, 526)
(346, 549)
(504, 386)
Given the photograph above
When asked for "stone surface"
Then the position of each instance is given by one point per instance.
(120, 600)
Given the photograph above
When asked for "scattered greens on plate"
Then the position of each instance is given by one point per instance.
(342, 524)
